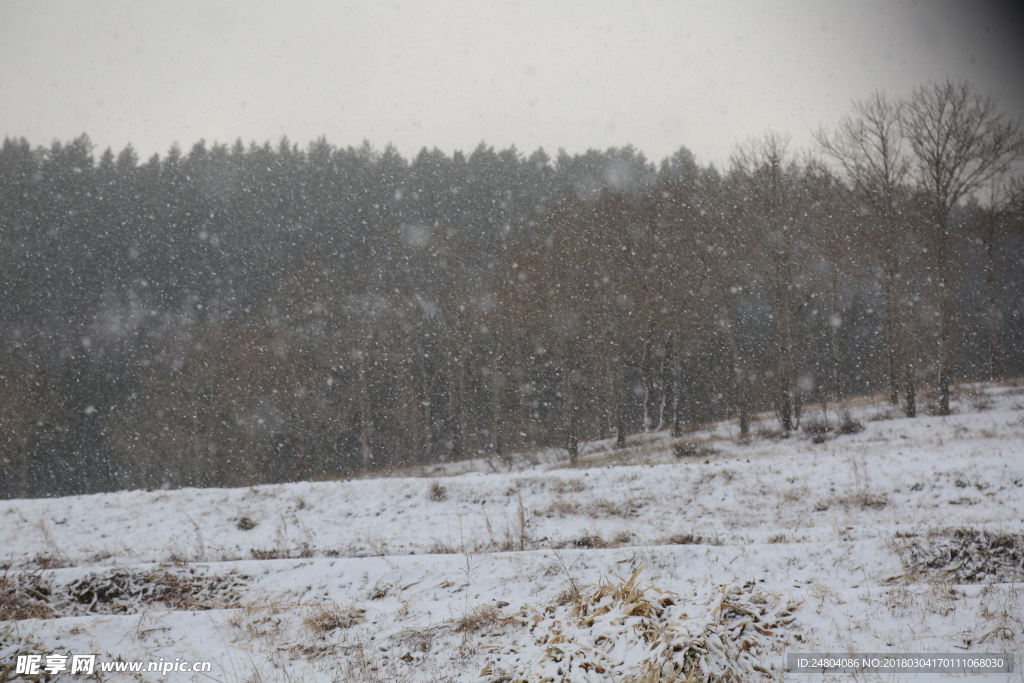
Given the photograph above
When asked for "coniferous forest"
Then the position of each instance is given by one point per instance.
(236, 314)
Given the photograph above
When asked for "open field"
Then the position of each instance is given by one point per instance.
(671, 558)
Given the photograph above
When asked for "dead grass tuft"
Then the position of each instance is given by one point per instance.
(887, 413)
(126, 591)
(588, 541)
(437, 492)
(326, 617)
(602, 507)
(585, 634)
(691, 449)
(559, 507)
(628, 592)
(480, 618)
(771, 434)
(442, 548)
(570, 486)
(245, 524)
(606, 508)
(818, 430)
(514, 534)
(962, 556)
(279, 553)
(864, 500)
(682, 539)
(568, 595)
(849, 425)
(50, 561)
(25, 595)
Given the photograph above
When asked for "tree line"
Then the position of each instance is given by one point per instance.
(246, 314)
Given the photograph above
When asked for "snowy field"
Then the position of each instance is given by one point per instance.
(665, 560)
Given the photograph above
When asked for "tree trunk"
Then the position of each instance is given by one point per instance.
(569, 392)
(497, 391)
(412, 409)
(620, 403)
(456, 406)
(990, 281)
(907, 351)
(785, 351)
(941, 259)
(23, 473)
(668, 386)
(525, 410)
(365, 416)
(604, 399)
(892, 334)
(741, 383)
(910, 409)
(647, 375)
(427, 394)
(834, 334)
(677, 420)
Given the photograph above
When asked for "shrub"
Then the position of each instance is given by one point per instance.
(849, 425)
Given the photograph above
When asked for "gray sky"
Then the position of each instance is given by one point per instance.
(448, 74)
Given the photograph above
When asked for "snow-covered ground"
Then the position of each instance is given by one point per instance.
(636, 564)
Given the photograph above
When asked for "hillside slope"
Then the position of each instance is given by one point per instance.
(907, 536)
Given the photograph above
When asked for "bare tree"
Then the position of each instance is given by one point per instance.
(868, 147)
(960, 141)
(1004, 198)
(25, 404)
(773, 204)
(683, 240)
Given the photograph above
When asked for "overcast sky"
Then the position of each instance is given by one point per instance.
(447, 74)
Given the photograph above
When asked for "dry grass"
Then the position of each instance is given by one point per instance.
(818, 430)
(588, 542)
(688, 539)
(862, 495)
(442, 548)
(124, 591)
(325, 617)
(245, 524)
(795, 495)
(437, 492)
(559, 507)
(771, 434)
(628, 592)
(25, 595)
(353, 657)
(639, 449)
(849, 425)
(281, 553)
(568, 486)
(44, 561)
(864, 500)
(693, 449)
(14, 642)
(512, 534)
(480, 618)
(582, 635)
(602, 507)
(961, 556)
